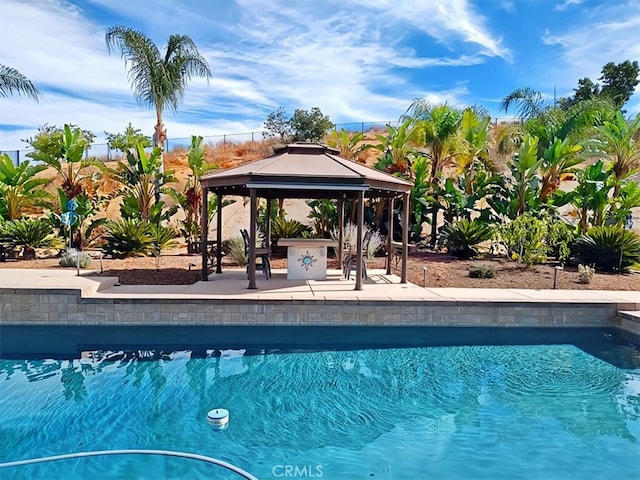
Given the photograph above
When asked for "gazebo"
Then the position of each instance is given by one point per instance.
(305, 171)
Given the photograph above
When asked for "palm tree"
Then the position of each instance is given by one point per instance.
(436, 127)
(12, 81)
(158, 79)
(528, 102)
(617, 140)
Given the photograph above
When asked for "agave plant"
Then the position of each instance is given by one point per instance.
(28, 234)
(461, 238)
(609, 248)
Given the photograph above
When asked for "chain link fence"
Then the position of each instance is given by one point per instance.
(101, 151)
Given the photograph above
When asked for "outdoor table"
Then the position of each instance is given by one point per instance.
(306, 257)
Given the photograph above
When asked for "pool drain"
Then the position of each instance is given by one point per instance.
(219, 418)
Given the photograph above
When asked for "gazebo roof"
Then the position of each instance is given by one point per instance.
(304, 170)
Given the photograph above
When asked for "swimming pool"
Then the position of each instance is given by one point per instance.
(442, 412)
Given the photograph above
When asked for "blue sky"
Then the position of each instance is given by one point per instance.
(357, 60)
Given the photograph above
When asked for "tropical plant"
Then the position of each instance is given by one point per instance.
(161, 238)
(128, 236)
(12, 81)
(81, 222)
(528, 102)
(19, 188)
(437, 128)
(158, 79)
(474, 153)
(557, 160)
(609, 248)
(127, 140)
(462, 237)
(349, 144)
(64, 150)
(142, 183)
(28, 234)
(397, 149)
(520, 193)
(282, 227)
(324, 214)
(617, 141)
(590, 197)
(190, 199)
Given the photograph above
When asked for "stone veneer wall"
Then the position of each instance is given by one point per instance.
(66, 307)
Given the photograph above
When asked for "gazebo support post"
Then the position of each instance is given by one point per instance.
(340, 232)
(359, 240)
(204, 223)
(405, 236)
(267, 225)
(219, 233)
(253, 208)
(389, 234)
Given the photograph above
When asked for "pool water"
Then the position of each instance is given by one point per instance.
(482, 412)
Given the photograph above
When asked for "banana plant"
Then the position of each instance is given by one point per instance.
(19, 188)
(521, 193)
(142, 182)
(397, 149)
(349, 144)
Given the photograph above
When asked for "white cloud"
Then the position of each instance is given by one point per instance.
(567, 3)
(604, 34)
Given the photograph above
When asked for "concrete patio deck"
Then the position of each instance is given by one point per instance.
(232, 285)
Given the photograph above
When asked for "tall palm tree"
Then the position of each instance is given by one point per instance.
(437, 128)
(12, 81)
(158, 79)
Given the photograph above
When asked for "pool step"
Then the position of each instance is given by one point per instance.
(628, 320)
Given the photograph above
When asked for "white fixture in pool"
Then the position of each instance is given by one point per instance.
(219, 418)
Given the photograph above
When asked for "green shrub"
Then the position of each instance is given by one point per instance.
(524, 239)
(559, 238)
(70, 259)
(28, 234)
(127, 237)
(461, 238)
(609, 248)
(482, 271)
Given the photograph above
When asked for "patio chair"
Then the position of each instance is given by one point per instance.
(351, 258)
(262, 255)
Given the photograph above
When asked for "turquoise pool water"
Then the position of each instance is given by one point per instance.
(481, 412)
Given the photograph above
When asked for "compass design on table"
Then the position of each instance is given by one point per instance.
(307, 260)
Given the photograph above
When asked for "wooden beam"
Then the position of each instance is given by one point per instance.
(405, 236)
(204, 223)
(253, 208)
(359, 241)
(219, 233)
